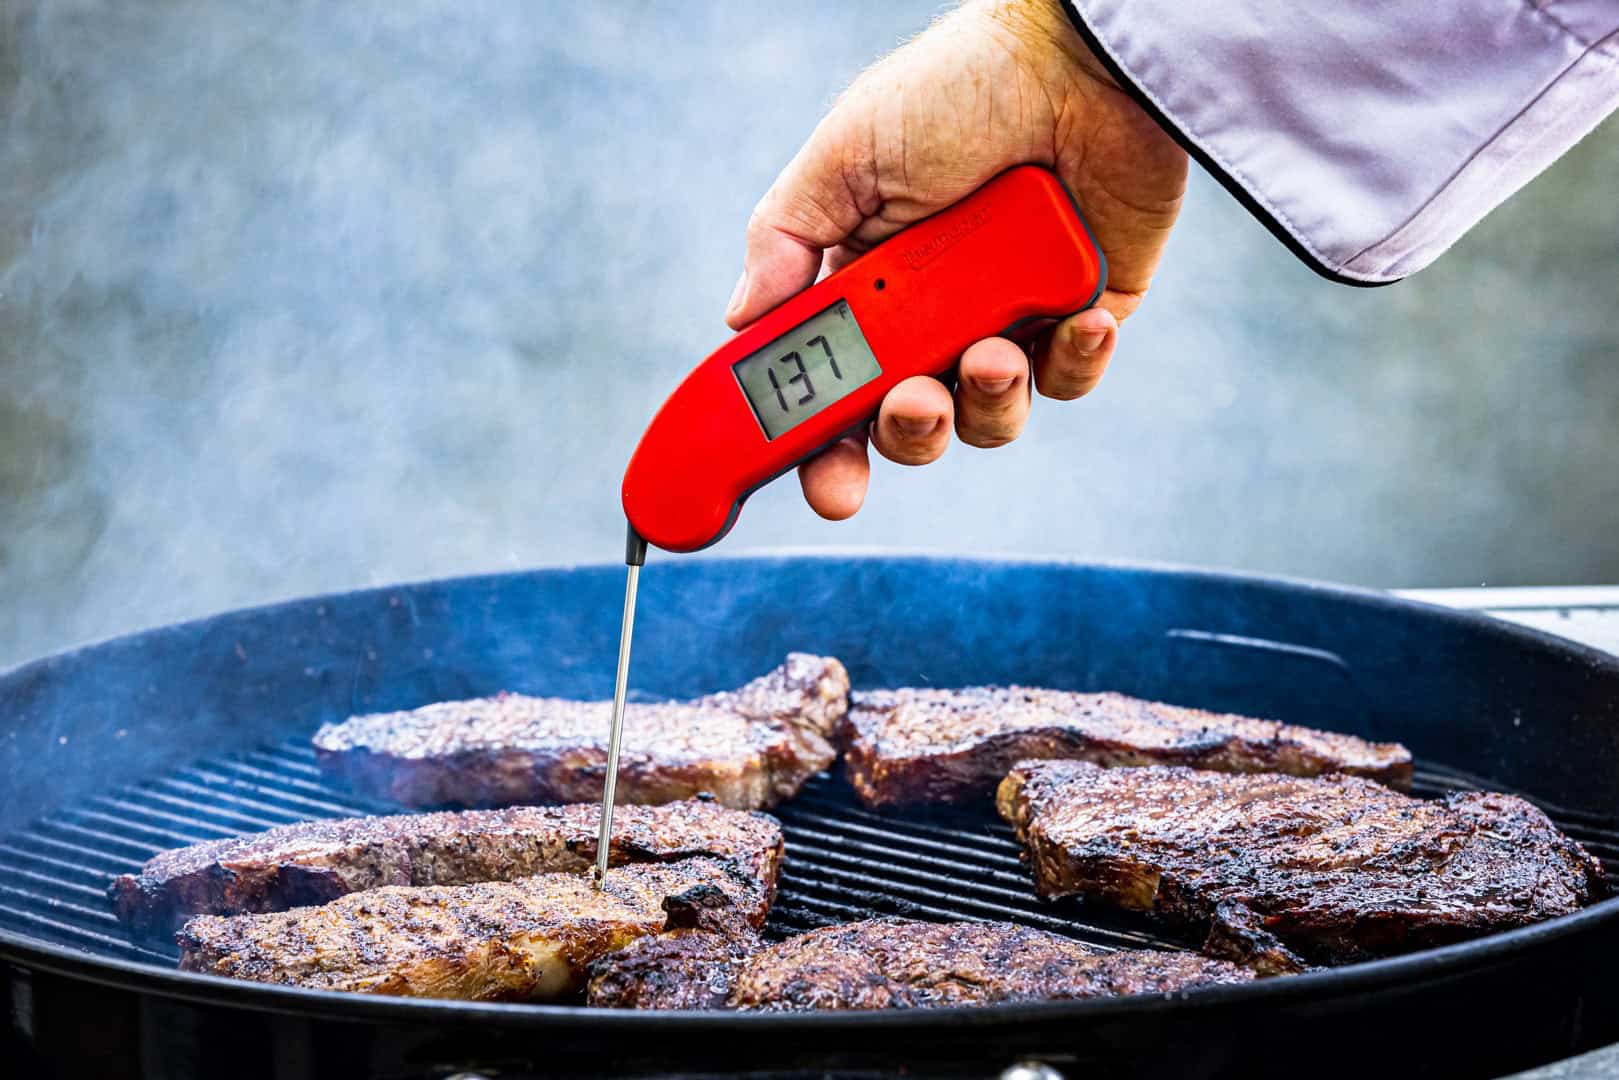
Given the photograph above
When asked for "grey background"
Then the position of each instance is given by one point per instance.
(307, 296)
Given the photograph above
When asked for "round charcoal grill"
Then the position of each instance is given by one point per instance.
(113, 752)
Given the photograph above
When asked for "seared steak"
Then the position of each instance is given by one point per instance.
(750, 747)
(930, 745)
(887, 964)
(1281, 870)
(527, 940)
(316, 861)
(682, 969)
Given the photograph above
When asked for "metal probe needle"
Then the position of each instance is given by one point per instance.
(634, 556)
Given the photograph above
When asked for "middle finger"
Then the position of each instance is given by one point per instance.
(913, 425)
(992, 397)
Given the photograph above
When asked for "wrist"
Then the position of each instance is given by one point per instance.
(1042, 28)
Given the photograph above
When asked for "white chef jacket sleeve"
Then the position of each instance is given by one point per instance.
(1367, 134)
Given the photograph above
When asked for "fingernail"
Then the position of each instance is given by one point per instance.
(1090, 340)
(994, 386)
(914, 427)
(738, 292)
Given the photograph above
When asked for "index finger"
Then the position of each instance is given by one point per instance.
(813, 205)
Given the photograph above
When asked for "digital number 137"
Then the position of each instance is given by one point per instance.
(803, 375)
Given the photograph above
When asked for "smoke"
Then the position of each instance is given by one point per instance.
(318, 296)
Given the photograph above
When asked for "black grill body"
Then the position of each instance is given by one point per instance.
(118, 750)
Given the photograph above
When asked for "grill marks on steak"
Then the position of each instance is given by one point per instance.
(887, 964)
(926, 745)
(1281, 871)
(312, 862)
(750, 747)
(682, 969)
(527, 940)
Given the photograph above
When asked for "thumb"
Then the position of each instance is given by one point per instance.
(817, 201)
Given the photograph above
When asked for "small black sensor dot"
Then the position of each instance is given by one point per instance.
(881, 284)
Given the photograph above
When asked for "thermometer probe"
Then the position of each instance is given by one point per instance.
(1004, 261)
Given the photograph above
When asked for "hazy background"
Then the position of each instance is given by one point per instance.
(305, 296)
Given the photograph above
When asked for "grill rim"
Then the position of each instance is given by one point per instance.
(218, 990)
(1376, 598)
(1422, 966)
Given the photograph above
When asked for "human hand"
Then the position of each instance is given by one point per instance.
(994, 84)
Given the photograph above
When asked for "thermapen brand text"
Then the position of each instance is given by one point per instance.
(924, 253)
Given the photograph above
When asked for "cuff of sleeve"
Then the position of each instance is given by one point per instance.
(1367, 139)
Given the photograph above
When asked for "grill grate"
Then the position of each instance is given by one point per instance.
(843, 862)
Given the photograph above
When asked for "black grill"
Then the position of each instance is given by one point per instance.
(843, 862)
(93, 782)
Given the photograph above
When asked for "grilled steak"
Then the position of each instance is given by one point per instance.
(527, 940)
(1281, 870)
(750, 747)
(316, 861)
(887, 964)
(683, 969)
(930, 745)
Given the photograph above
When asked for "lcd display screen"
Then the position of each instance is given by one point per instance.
(815, 364)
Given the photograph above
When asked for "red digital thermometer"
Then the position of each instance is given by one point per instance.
(1003, 260)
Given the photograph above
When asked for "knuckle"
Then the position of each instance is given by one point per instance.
(759, 217)
(1063, 389)
(1066, 393)
(1065, 377)
(994, 411)
(911, 451)
(987, 440)
(987, 429)
(891, 447)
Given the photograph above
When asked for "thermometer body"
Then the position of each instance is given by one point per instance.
(1006, 258)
